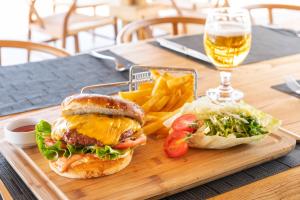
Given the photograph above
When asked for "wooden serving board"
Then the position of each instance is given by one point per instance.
(150, 174)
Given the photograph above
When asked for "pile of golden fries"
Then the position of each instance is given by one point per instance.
(161, 99)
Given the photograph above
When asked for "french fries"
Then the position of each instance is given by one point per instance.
(146, 86)
(161, 103)
(161, 99)
(134, 95)
(162, 133)
(152, 127)
(150, 103)
(160, 86)
(176, 82)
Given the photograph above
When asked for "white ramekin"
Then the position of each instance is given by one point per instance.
(21, 139)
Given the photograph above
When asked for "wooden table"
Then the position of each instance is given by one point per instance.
(255, 80)
(285, 185)
(130, 13)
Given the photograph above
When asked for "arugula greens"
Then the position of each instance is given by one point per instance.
(240, 125)
(43, 131)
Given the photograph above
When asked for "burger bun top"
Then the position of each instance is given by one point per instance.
(101, 104)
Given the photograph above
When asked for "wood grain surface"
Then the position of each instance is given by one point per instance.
(151, 174)
(284, 185)
(31, 174)
(4, 193)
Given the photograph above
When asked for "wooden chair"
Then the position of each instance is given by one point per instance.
(125, 35)
(128, 11)
(31, 46)
(270, 8)
(63, 25)
(220, 3)
(83, 4)
(195, 7)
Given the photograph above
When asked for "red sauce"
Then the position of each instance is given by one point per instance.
(26, 128)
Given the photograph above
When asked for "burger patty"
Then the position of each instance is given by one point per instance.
(77, 139)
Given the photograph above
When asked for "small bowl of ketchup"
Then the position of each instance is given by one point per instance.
(21, 132)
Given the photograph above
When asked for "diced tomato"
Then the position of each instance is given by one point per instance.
(129, 142)
(187, 122)
(49, 141)
(175, 144)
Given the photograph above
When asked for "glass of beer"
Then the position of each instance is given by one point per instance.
(227, 41)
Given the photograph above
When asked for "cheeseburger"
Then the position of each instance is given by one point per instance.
(95, 136)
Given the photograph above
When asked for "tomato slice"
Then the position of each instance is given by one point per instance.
(187, 122)
(129, 142)
(178, 134)
(49, 141)
(175, 144)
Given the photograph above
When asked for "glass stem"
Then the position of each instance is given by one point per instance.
(225, 87)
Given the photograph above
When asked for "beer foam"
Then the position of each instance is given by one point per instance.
(227, 29)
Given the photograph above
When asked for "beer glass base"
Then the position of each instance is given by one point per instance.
(216, 95)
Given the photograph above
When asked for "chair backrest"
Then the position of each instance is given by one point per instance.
(31, 46)
(125, 35)
(270, 8)
(220, 3)
(35, 17)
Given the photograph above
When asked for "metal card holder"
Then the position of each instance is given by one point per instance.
(140, 74)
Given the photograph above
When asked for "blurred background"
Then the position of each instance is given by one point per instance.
(45, 20)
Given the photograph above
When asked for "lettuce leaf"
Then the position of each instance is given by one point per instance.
(43, 127)
(108, 153)
(43, 131)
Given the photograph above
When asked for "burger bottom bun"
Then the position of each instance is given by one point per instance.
(93, 167)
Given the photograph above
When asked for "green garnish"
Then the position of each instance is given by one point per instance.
(53, 152)
(239, 125)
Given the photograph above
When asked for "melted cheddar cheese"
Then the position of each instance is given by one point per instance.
(101, 127)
